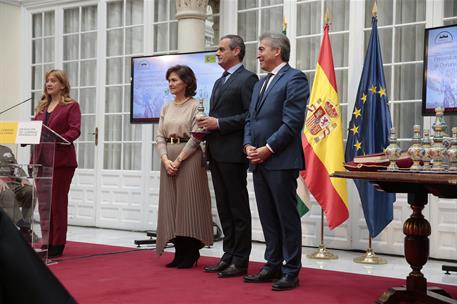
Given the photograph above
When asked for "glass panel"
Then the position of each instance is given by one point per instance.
(172, 10)
(87, 100)
(173, 38)
(114, 71)
(112, 157)
(160, 37)
(71, 68)
(131, 132)
(112, 130)
(134, 40)
(87, 127)
(339, 8)
(409, 11)
(48, 67)
(340, 42)
(271, 2)
(155, 159)
(89, 18)
(385, 12)
(88, 73)
(342, 85)
(409, 43)
(132, 156)
(37, 51)
(115, 42)
(74, 93)
(70, 47)
(114, 14)
(247, 25)
(250, 60)
(113, 103)
(71, 20)
(48, 49)
(307, 53)
(88, 45)
(214, 7)
(36, 97)
(37, 77)
(406, 115)
(385, 39)
(160, 10)
(212, 31)
(388, 77)
(408, 82)
(450, 8)
(48, 29)
(244, 4)
(272, 19)
(127, 69)
(86, 152)
(37, 21)
(308, 18)
(133, 12)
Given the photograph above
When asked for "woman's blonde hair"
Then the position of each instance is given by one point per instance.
(46, 99)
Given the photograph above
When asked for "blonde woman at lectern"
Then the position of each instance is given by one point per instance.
(184, 216)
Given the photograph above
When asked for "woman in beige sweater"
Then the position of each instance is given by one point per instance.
(184, 216)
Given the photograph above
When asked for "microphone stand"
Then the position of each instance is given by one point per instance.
(18, 104)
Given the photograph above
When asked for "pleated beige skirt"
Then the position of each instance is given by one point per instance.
(184, 201)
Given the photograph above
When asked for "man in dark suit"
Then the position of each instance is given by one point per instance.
(228, 110)
(272, 143)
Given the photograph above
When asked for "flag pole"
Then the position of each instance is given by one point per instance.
(322, 253)
(370, 257)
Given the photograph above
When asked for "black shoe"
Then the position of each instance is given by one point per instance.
(55, 251)
(264, 275)
(178, 258)
(217, 268)
(287, 282)
(232, 271)
(188, 261)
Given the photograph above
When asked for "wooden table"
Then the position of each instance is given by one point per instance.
(416, 227)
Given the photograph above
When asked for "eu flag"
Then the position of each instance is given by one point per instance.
(369, 133)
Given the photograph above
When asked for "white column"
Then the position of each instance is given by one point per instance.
(191, 15)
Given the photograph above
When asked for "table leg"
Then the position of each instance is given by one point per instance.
(417, 247)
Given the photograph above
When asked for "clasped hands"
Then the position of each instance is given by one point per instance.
(171, 167)
(257, 155)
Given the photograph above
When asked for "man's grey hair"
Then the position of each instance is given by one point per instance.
(236, 42)
(278, 41)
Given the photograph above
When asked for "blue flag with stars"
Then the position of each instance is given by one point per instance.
(369, 133)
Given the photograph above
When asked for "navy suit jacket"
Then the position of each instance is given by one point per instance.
(277, 119)
(230, 108)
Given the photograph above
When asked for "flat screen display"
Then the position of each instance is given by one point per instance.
(149, 88)
(440, 70)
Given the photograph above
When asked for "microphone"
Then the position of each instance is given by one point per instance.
(18, 104)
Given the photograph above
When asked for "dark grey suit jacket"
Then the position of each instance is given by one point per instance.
(230, 107)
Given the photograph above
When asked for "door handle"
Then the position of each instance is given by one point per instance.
(96, 136)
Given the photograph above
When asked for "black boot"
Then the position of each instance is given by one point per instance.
(55, 251)
(178, 253)
(191, 252)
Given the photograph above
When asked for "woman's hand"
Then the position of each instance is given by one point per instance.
(169, 167)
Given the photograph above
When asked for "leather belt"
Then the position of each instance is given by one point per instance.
(176, 140)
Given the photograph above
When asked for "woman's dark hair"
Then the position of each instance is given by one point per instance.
(187, 75)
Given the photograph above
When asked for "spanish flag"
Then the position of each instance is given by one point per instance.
(322, 140)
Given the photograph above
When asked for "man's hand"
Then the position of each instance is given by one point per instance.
(3, 186)
(257, 155)
(209, 123)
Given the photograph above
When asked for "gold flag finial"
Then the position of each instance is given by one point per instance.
(284, 25)
(327, 16)
(374, 11)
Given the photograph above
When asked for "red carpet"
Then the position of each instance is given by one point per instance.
(140, 277)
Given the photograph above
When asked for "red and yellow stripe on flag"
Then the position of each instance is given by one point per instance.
(322, 140)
